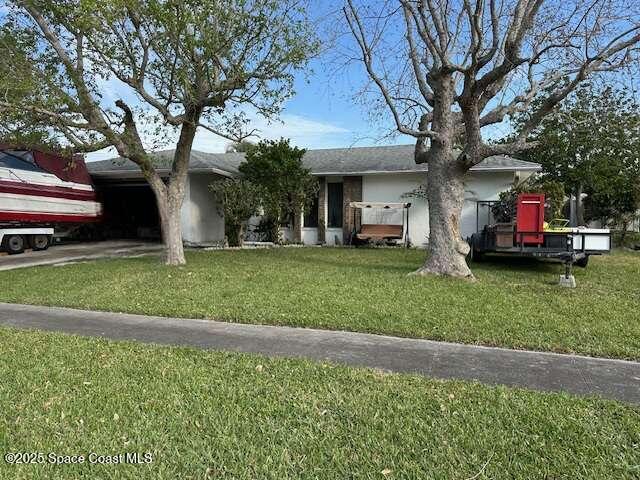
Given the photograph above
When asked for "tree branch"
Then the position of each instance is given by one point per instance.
(357, 30)
(234, 138)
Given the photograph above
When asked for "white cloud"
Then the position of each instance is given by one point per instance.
(297, 126)
(109, 89)
(303, 132)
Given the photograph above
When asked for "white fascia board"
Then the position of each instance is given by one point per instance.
(162, 172)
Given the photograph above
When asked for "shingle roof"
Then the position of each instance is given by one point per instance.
(223, 163)
(394, 158)
(338, 161)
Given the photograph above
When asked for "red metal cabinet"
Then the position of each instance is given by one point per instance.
(530, 218)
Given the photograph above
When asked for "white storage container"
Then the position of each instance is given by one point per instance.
(598, 239)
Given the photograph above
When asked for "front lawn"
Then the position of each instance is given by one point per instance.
(205, 415)
(514, 304)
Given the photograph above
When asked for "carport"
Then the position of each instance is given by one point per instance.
(129, 209)
(129, 205)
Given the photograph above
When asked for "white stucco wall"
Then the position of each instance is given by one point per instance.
(202, 223)
(334, 236)
(286, 233)
(389, 188)
(309, 236)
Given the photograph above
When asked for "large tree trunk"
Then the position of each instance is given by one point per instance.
(171, 226)
(170, 220)
(169, 197)
(445, 189)
(445, 194)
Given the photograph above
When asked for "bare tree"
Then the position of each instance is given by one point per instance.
(182, 65)
(448, 69)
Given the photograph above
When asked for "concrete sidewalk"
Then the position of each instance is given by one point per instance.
(615, 379)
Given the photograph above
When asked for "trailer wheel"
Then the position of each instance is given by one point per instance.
(39, 242)
(14, 244)
(474, 255)
(582, 262)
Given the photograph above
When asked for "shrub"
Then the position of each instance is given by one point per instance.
(238, 200)
(504, 210)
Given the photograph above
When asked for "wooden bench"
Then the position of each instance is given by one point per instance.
(380, 232)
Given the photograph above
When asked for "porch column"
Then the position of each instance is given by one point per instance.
(322, 210)
(352, 192)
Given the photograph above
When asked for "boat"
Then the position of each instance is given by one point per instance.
(41, 188)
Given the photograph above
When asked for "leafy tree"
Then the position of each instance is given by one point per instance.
(179, 66)
(288, 185)
(238, 200)
(28, 136)
(505, 209)
(614, 195)
(17, 79)
(446, 71)
(591, 144)
(240, 147)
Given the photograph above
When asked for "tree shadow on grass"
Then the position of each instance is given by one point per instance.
(347, 259)
(360, 264)
(356, 262)
(517, 264)
(402, 265)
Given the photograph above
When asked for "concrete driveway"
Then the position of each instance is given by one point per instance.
(58, 254)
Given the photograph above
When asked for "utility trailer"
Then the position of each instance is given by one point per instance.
(530, 236)
(17, 239)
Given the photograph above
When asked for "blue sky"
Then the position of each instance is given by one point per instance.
(322, 114)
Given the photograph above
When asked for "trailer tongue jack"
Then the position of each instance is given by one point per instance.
(568, 280)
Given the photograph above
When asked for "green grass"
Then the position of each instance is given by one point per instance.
(513, 304)
(226, 415)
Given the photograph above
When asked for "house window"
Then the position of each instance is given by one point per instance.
(311, 215)
(335, 205)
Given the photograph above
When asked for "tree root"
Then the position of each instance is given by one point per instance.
(426, 271)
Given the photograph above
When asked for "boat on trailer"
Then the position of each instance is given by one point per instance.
(40, 191)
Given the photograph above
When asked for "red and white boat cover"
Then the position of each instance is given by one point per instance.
(38, 187)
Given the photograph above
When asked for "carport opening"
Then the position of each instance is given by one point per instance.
(129, 211)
